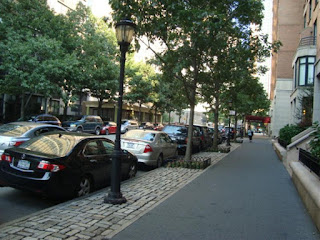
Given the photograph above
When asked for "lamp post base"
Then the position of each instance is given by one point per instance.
(115, 198)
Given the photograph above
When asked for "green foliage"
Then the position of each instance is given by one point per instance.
(289, 131)
(315, 143)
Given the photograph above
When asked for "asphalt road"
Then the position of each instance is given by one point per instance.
(15, 203)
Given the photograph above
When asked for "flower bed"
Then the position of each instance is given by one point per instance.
(221, 149)
(195, 163)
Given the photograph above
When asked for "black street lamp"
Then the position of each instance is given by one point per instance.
(124, 32)
(229, 131)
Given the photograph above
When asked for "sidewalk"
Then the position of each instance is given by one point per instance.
(248, 195)
(91, 218)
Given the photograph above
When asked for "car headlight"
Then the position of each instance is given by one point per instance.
(73, 125)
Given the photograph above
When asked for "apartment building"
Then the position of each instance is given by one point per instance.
(294, 68)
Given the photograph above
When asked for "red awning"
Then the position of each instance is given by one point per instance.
(258, 119)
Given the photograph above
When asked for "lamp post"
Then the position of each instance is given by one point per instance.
(228, 139)
(124, 33)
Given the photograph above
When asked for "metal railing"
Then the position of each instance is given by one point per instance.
(310, 161)
(307, 41)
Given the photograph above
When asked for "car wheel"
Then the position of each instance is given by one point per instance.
(84, 187)
(159, 161)
(132, 170)
(176, 154)
(107, 132)
(97, 132)
(79, 129)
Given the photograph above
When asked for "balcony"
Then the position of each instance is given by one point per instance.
(308, 41)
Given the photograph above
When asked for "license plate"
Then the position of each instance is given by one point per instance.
(130, 145)
(23, 164)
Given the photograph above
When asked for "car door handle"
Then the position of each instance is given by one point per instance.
(93, 161)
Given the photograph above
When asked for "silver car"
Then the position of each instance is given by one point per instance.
(149, 146)
(15, 133)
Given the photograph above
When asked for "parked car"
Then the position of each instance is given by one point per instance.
(226, 132)
(127, 125)
(151, 147)
(62, 164)
(108, 127)
(146, 125)
(179, 134)
(205, 136)
(86, 123)
(220, 138)
(15, 133)
(158, 126)
(42, 118)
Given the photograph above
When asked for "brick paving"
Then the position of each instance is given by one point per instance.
(91, 218)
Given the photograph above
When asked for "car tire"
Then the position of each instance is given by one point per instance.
(84, 187)
(160, 161)
(132, 171)
(79, 129)
(107, 132)
(97, 131)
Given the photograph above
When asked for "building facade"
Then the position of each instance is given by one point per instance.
(294, 81)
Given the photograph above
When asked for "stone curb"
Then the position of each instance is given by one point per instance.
(90, 218)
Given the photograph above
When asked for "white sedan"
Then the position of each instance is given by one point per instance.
(149, 146)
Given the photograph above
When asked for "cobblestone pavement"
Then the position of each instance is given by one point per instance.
(91, 218)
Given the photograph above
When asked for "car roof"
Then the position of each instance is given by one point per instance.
(27, 123)
(147, 130)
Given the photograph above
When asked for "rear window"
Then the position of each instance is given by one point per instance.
(13, 129)
(140, 135)
(54, 144)
(175, 130)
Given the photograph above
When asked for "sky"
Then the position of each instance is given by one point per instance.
(101, 8)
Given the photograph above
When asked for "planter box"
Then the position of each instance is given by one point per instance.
(195, 163)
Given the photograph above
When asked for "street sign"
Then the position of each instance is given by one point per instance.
(232, 113)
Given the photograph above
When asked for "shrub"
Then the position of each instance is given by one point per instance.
(289, 131)
(315, 143)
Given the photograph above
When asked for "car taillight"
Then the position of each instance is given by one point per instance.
(5, 157)
(147, 149)
(18, 143)
(50, 167)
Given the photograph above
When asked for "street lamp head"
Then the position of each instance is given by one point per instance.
(125, 31)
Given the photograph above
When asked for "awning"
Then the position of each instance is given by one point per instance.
(251, 118)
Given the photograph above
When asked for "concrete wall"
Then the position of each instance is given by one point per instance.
(316, 96)
(281, 109)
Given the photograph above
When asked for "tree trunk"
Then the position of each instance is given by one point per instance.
(169, 117)
(22, 106)
(100, 102)
(216, 122)
(190, 133)
(235, 126)
(140, 104)
(65, 111)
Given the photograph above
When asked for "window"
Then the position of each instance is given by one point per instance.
(108, 147)
(305, 71)
(315, 31)
(92, 148)
(304, 21)
(310, 9)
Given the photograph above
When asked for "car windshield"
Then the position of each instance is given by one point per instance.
(124, 122)
(58, 145)
(140, 135)
(13, 129)
(175, 130)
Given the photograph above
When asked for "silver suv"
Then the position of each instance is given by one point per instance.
(127, 125)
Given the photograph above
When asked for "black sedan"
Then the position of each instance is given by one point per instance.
(62, 164)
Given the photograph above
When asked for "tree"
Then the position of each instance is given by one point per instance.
(140, 80)
(188, 30)
(32, 50)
